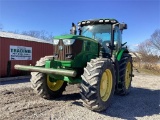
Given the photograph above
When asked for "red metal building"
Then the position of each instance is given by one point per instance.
(20, 49)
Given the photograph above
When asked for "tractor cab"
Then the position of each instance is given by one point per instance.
(108, 32)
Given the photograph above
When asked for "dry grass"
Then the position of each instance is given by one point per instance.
(149, 68)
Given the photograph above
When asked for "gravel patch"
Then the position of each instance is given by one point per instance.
(19, 102)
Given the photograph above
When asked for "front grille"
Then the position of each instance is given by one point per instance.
(67, 52)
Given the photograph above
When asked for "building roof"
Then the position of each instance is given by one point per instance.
(136, 55)
(22, 37)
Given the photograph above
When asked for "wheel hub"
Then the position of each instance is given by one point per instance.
(128, 75)
(106, 85)
(54, 86)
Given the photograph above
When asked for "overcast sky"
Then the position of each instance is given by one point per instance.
(56, 16)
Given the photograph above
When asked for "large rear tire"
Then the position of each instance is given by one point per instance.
(98, 84)
(125, 69)
(41, 82)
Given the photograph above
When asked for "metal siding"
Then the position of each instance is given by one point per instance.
(38, 50)
(4, 56)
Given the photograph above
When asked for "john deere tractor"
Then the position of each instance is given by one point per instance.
(96, 58)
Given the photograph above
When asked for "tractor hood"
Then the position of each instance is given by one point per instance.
(79, 37)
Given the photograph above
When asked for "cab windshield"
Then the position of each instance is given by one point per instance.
(100, 32)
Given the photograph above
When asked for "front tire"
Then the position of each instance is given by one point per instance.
(43, 86)
(97, 87)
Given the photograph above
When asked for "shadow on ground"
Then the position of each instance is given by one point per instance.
(14, 81)
(139, 103)
(73, 96)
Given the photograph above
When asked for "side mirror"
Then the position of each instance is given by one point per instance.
(123, 44)
(122, 26)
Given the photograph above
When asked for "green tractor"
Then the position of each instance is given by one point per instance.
(96, 58)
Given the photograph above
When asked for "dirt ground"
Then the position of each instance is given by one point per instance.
(18, 102)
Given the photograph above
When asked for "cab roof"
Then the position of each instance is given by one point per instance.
(98, 21)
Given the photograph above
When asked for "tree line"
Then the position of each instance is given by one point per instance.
(33, 33)
(149, 51)
(39, 34)
(150, 47)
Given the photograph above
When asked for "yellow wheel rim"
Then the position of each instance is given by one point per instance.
(106, 85)
(54, 86)
(128, 75)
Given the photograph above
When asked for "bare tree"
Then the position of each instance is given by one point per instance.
(39, 34)
(155, 40)
(148, 58)
(144, 48)
(151, 46)
(31, 33)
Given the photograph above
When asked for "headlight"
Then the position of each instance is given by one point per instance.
(55, 41)
(68, 41)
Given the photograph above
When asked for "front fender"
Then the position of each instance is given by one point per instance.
(120, 53)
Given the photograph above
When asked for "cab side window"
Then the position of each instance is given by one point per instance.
(117, 37)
